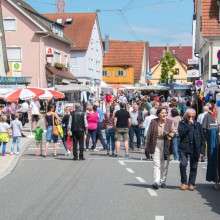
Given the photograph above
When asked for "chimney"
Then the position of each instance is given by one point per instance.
(106, 43)
(180, 46)
(168, 48)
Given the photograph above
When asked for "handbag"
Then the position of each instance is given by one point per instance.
(68, 142)
(55, 129)
(104, 123)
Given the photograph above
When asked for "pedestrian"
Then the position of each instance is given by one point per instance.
(14, 107)
(202, 115)
(158, 143)
(4, 134)
(122, 122)
(65, 123)
(92, 120)
(110, 131)
(77, 126)
(7, 112)
(38, 139)
(99, 135)
(16, 127)
(135, 128)
(176, 139)
(35, 112)
(50, 120)
(192, 145)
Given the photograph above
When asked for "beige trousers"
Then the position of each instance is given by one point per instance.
(160, 165)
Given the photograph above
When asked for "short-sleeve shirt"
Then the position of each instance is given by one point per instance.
(16, 127)
(122, 118)
(4, 126)
(35, 106)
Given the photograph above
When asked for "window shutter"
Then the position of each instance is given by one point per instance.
(116, 73)
(124, 73)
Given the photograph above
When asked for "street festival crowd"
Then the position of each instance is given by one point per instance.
(164, 127)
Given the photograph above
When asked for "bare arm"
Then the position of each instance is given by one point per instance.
(129, 122)
(115, 121)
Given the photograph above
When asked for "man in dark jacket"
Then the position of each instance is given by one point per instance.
(77, 125)
(192, 144)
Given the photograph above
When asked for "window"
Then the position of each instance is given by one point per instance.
(68, 21)
(177, 71)
(59, 20)
(57, 57)
(105, 73)
(66, 60)
(73, 61)
(9, 24)
(14, 53)
(57, 30)
(120, 73)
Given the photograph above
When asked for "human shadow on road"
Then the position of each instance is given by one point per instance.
(211, 195)
(150, 186)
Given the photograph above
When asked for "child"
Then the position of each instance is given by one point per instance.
(4, 133)
(16, 127)
(38, 138)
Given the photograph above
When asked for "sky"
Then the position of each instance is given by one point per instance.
(159, 22)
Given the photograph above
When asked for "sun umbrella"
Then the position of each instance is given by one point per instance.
(51, 94)
(117, 86)
(23, 94)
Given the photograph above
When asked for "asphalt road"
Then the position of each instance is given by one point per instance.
(101, 187)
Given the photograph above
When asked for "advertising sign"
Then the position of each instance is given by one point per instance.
(16, 69)
(193, 73)
(192, 61)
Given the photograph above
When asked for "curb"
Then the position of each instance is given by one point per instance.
(15, 161)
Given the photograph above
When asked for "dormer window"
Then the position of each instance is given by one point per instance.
(69, 21)
(59, 20)
(57, 30)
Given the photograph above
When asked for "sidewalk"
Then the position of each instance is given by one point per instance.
(9, 162)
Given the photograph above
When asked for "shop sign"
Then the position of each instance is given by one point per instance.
(16, 69)
(192, 61)
(49, 51)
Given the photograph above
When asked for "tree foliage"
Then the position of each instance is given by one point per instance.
(167, 70)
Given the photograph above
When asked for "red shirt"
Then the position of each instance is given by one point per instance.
(108, 98)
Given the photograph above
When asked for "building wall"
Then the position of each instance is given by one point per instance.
(2, 64)
(181, 78)
(33, 46)
(128, 79)
(89, 63)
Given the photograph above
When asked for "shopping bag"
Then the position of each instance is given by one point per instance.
(68, 143)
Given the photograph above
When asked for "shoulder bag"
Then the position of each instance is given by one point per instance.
(55, 129)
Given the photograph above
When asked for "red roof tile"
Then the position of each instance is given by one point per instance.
(128, 53)
(209, 18)
(183, 53)
(79, 30)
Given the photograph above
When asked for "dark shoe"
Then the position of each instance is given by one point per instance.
(22, 135)
(107, 153)
(113, 154)
(75, 158)
(131, 150)
(202, 159)
(155, 186)
(82, 158)
(163, 185)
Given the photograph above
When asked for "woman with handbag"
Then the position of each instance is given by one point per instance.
(158, 143)
(52, 131)
(108, 123)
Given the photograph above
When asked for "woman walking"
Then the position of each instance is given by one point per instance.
(4, 133)
(110, 131)
(92, 120)
(49, 122)
(158, 143)
(176, 139)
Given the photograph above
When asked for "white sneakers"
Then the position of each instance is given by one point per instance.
(68, 153)
(11, 153)
(15, 153)
(95, 150)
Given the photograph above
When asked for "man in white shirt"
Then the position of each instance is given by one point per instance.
(14, 107)
(34, 111)
(202, 115)
(122, 98)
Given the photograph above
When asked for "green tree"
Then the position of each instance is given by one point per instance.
(167, 70)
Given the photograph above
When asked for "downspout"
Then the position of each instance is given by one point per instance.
(39, 76)
(211, 59)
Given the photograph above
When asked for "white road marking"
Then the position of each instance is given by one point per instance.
(129, 170)
(95, 158)
(151, 192)
(158, 217)
(140, 180)
(121, 162)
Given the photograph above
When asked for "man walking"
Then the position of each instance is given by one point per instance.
(122, 123)
(35, 112)
(192, 144)
(136, 120)
(77, 125)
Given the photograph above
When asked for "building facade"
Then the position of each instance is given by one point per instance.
(32, 42)
(86, 56)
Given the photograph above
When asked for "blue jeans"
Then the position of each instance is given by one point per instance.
(110, 137)
(3, 147)
(142, 137)
(176, 141)
(92, 134)
(14, 141)
(135, 130)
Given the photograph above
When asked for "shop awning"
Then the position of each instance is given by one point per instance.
(61, 73)
(72, 88)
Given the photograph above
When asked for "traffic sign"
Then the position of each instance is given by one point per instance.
(218, 55)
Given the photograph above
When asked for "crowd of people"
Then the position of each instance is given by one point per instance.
(162, 127)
